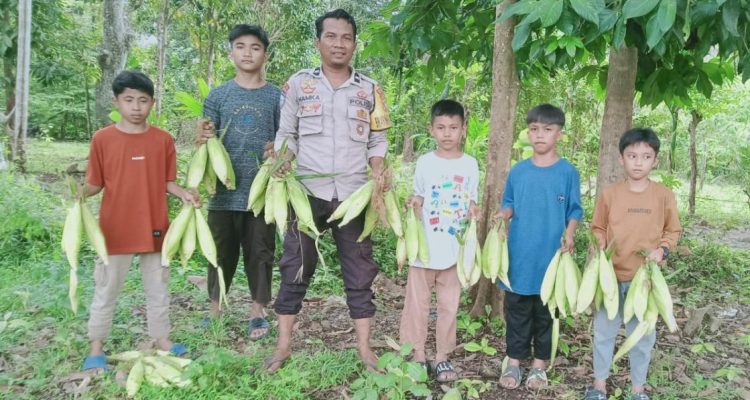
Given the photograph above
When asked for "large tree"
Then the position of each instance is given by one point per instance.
(23, 76)
(113, 55)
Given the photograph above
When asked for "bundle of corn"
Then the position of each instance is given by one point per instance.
(209, 162)
(78, 220)
(382, 200)
(160, 369)
(414, 239)
(189, 227)
(469, 263)
(559, 289)
(353, 205)
(495, 260)
(648, 298)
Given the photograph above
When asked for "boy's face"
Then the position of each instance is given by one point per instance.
(638, 159)
(448, 131)
(336, 43)
(133, 105)
(248, 53)
(544, 137)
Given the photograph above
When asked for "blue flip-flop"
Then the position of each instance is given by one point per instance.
(94, 362)
(258, 323)
(178, 350)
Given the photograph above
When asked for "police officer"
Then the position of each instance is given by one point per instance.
(334, 122)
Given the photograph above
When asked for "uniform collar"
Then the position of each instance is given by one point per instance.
(354, 79)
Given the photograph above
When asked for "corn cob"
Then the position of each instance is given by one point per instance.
(393, 213)
(640, 330)
(209, 179)
(197, 167)
(270, 202)
(555, 340)
(153, 377)
(504, 258)
(258, 187)
(135, 378)
(476, 272)
(357, 202)
(171, 242)
(71, 237)
(94, 233)
(280, 208)
(571, 281)
(220, 163)
(663, 298)
(607, 278)
(401, 253)
(423, 251)
(371, 219)
(560, 297)
(641, 291)
(589, 285)
(548, 282)
(301, 205)
(491, 255)
(205, 240)
(411, 234)
(126, 356)
(461, 269)
(188, 241)
(467, 257)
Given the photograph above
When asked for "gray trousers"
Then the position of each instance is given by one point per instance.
(605, 333)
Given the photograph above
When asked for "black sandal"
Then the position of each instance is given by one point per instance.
(443, 368)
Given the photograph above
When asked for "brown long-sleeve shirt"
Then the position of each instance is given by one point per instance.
(635, 221)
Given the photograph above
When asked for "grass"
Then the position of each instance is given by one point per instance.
(42, 342)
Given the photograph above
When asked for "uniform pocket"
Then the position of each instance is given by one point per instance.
(359, 123)
(310, 118)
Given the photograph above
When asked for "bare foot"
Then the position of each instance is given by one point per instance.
(276, 360)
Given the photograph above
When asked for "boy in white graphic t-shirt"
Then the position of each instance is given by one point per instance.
(445, 194)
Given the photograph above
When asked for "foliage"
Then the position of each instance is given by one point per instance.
(401, 379)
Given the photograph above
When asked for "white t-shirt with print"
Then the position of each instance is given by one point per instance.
(447, 186)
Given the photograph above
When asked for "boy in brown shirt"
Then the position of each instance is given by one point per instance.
(636, 214)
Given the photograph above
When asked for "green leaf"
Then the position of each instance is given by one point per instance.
(472, 347)
(638, 8)
(704, 86)
(666, 14)
(653, 32)
(522, 7)
(405, 349)
(588, 9)
(570, 47)
(416, 372)
(729, 15)
(620, 31)
(520, 36)
(452, 394)
(607, 20)
(550, 11)
(189, 104)
(384, 380)
(203, 88)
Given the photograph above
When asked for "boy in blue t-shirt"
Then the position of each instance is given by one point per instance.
(542, 202)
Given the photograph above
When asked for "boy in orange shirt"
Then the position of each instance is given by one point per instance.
(636, 214)
(135, 164)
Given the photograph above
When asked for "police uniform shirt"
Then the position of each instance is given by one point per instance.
(328, 129)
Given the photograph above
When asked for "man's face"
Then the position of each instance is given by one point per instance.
(248, 53)
(336, 43)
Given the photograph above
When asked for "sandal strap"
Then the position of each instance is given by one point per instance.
(444, 366)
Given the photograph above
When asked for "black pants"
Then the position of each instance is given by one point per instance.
(357, 265)
(233, 230)
(526, 318)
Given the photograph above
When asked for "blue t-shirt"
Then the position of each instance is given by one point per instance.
(544, 200)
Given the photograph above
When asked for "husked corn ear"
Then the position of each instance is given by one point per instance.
(548, 282)
(135, 378)
(94, 233)
(589, 284)
(555, 340)
(258, 187)
(393, 213)
(401, 253)
(220, 163)
(205, 240)
(357, 202)
(209, 179)
(188, 241)
(71, 236)
(371, 219)
(280, 207)
(197, 167)
(423, 252)
(301, 205)
(412, 236)
(171, 242)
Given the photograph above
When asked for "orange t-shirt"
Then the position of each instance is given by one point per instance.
(635, 221)
(134, 170)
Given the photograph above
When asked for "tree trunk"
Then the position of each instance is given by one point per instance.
(504, 98)
(161, 51)
(618, 113)
(407, 153)
(87, 98)
(113, 56)
(23, 74)
(210, 60)
(10, 100)
(692, 128)
(674, 111)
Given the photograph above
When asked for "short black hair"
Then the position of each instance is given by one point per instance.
(640, 135)
(447, 107)
(253, 30)
(338, 13)
(132, 80)
(546, 114)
